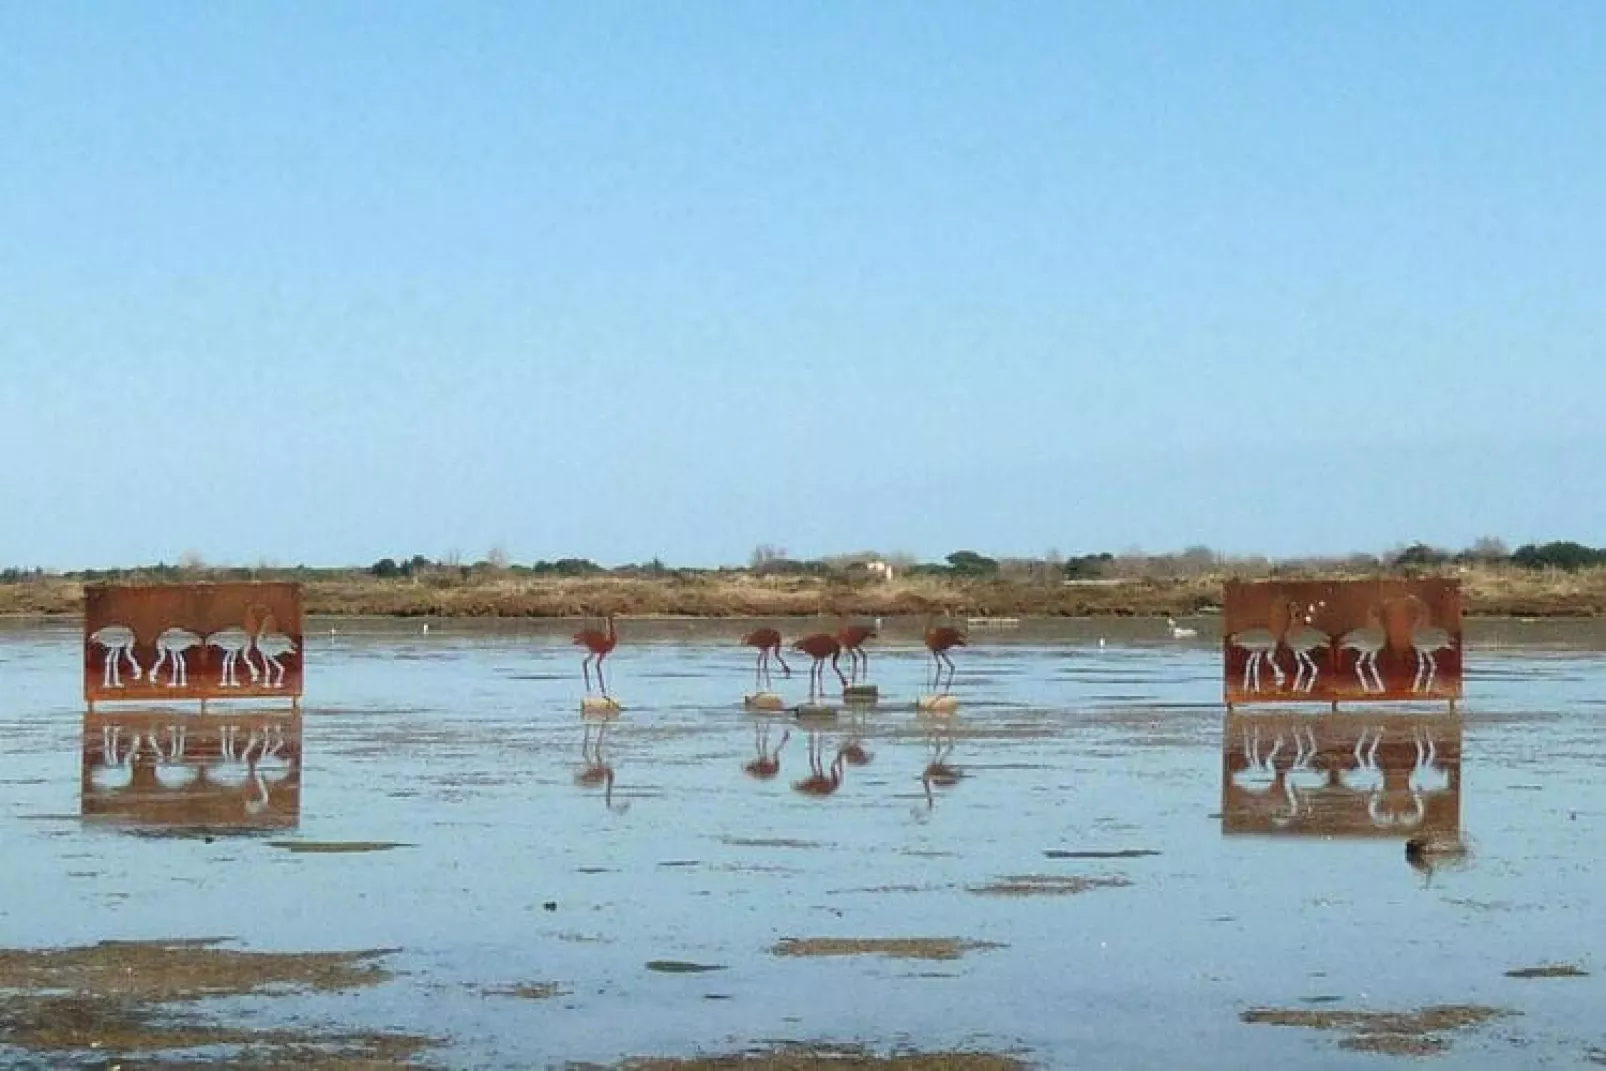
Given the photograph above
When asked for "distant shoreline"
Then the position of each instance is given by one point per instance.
(1487, 592)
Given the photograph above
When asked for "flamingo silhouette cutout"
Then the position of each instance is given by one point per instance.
(1303, 638)
(1427, 640)
(820, 646)
(236, 642)
(768, 642)
(851, 635)
(1262, 644)
(939, 640)
(1366, 641)
(171, 648)
(118, 643)
(599, 643)
(272, 646)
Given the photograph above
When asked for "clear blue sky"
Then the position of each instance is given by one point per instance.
(308, 282)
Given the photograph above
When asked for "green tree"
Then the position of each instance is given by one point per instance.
(970, 564)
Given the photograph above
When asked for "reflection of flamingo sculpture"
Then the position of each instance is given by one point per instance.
(599, 644)
(820, 646)
(256, 799)
(171, 646)
(1304, 778)
(271, 762)
(1259, 770)
(852, 637)
(171, 769)
(597, 769)
(767, 763)
(853, 750)
(1366, 641)
(939, 641)
(1396, 803)
(939, 772)
(116, 769)
(232, 766)
(118, 642)
(1302, 639)
(1261, 783)
(1365, 776)
(1262, 643)
(768, 642)
(819, 783)
(1427, 775)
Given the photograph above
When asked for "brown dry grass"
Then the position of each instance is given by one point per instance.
(335, 847)
(166, 971)
(529, 991)
(1489, 591)
(1548, 970)
(1048, 885)
(846, 1058)
(1414, 1033)
(897, 947)
(121, 997)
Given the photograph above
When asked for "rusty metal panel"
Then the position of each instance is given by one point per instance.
(164, 771)
(1341, 775)
(192, 641)
(1299, 641)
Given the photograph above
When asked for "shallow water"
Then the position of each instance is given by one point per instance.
(466, 749)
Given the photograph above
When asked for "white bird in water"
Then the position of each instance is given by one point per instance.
(1180, 633)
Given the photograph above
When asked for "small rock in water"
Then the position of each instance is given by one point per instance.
(680, 966)
(550, 905)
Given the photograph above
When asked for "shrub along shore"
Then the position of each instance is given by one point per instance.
(474, 592)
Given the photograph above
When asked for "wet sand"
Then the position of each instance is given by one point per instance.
(544, 888)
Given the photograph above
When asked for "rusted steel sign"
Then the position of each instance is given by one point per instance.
(1342, 640)
(161, 770)
(192, 641)
(1341, 775)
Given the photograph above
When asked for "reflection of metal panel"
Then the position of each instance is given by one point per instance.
(1341, 775)
(192, 641)
(1327, 641)
(160, 771)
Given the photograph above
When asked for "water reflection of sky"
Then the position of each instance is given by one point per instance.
(466, 745)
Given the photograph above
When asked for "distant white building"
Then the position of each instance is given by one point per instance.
(879, 569)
